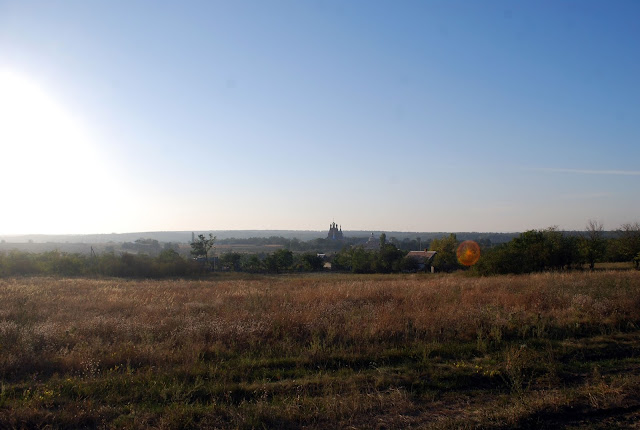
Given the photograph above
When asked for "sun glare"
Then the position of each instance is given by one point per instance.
(49, 169)
(468, 253)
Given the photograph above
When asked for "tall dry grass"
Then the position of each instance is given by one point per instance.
(309, 351)
(84, 325)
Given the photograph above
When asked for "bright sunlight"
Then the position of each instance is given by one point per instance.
(49, 169)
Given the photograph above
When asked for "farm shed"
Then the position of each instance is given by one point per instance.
(423, 258)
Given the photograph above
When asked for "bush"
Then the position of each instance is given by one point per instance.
(167, 264)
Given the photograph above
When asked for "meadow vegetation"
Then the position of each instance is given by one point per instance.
(321, 351)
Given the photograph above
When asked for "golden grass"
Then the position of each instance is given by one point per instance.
(293, 351)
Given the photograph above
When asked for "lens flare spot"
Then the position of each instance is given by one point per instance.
(468, 253)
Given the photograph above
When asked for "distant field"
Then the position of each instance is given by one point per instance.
(251, 249)
(628, 265)
(322, 351)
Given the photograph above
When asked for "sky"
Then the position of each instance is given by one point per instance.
(125, 116)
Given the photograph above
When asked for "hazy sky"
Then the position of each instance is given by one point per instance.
(120, 116)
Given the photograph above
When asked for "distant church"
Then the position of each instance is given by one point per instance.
(334, 232)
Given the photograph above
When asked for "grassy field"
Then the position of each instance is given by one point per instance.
(322, 351)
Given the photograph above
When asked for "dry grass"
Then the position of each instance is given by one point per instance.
(316, 351)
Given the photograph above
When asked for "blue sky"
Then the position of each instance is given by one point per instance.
(411, 116)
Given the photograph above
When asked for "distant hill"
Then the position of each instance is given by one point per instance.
(185, 236)
(302, 235)
(161, 236)
(125, 242)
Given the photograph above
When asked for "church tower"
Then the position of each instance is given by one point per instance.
(335, 232)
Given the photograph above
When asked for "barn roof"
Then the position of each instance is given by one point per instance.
(426, 255)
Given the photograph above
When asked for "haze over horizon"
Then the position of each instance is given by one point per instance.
(416, 116)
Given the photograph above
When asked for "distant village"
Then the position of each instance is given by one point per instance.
(422, 258)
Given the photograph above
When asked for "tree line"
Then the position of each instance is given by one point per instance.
(388, 258)
(530, 251)
(550, 249)
(168, 263)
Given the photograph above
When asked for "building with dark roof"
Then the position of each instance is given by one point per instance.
(423, 258)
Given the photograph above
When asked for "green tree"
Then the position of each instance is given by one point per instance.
(168, 255)
(170, 263)
(531, 251)
(388, 259)
(231, 261)
(560, 250)
(446, 259)
(410, 264)
(201, 247)
(593, 243)
(629, 238)
(342, 260)
(311, 262)
(500, 259)
(361, 260)
(279, 261)
(571, 251)
(383, 240)
(252, 264)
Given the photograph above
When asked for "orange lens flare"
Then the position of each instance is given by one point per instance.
(468, 253)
